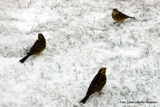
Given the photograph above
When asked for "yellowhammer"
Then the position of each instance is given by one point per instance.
(119, 16)
(37, 47)
(97, 84)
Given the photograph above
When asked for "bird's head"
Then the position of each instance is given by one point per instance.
(40, 36)
(115, 10)
(102, 70)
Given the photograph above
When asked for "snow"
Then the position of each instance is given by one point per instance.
(81, 38)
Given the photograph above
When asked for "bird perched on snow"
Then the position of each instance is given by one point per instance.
(37, 47)
(97, 84)
(119, 16)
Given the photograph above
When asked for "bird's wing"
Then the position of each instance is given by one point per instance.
(37, 47)
(96, 83)
(122, 15)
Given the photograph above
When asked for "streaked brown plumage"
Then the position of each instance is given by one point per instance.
(119, 16)
(37, 47)
(97, 84)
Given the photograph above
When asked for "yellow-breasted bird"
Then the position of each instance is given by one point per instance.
(119, 16)
(97, 84)
(37, 47)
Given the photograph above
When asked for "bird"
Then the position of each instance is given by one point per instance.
(37, 48)
(119, 16)
(97, 84)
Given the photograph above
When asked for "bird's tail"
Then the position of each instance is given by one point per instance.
(131, 17)
(23, 59)
(84, 99)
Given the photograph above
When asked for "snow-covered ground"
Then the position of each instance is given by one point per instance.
(81, 38)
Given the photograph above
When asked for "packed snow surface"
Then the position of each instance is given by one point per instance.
(81, 38)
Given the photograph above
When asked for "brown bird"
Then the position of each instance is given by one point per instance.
(119, 16)
(97, 84)
(37, 47)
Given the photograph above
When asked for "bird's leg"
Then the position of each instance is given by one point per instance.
(119, 24)
(115, 22)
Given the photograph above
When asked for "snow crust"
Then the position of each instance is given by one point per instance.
(81, 38)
